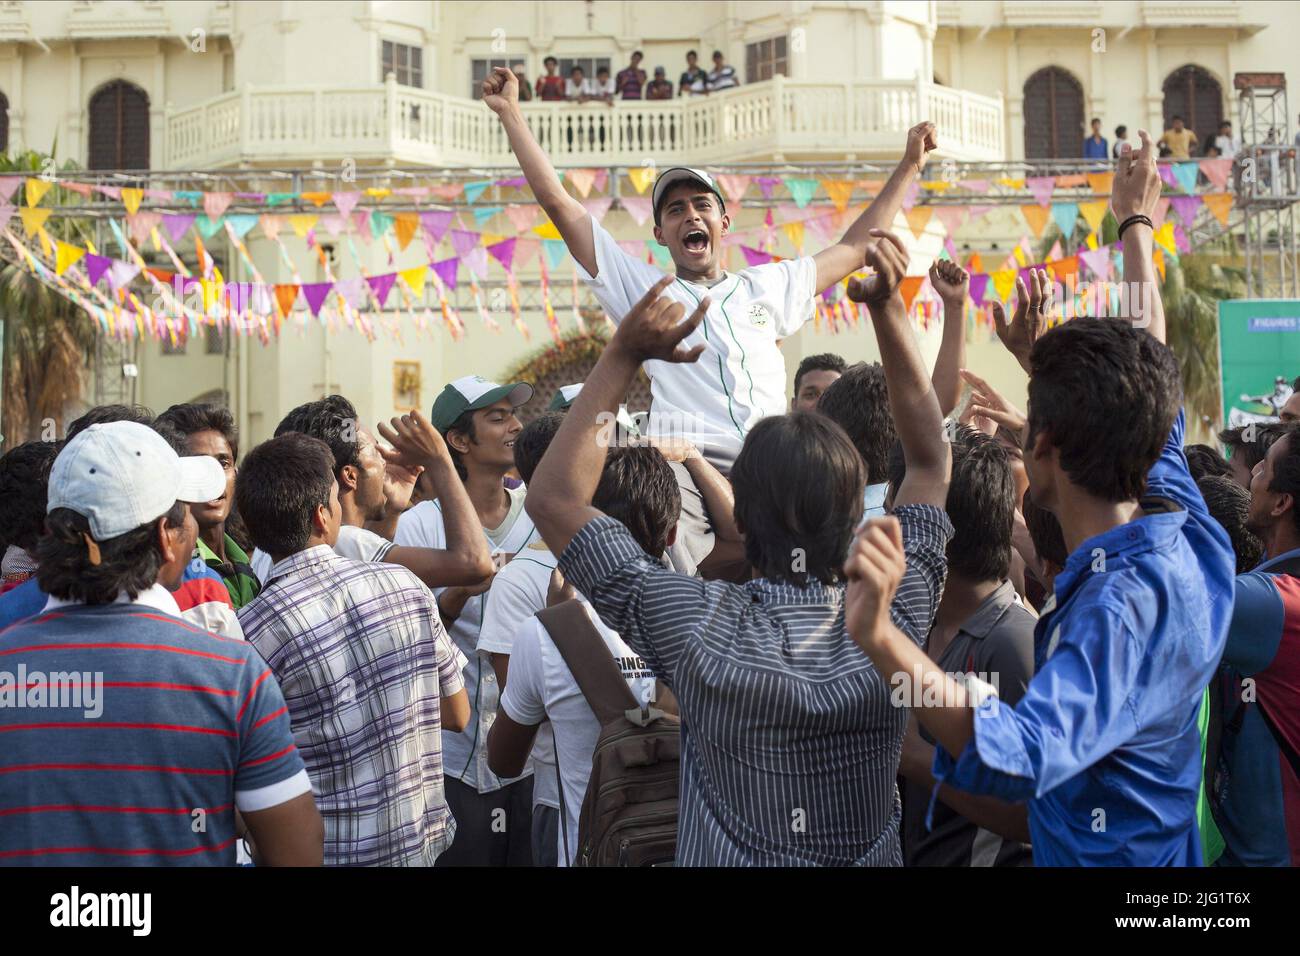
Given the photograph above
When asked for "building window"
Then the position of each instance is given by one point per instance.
(215, 342)
(765, 59)
(407, 62)
(4, 123)
(182, 334)
(1192, 93)
(119, 127)
(590, 65)
(478, 72)
(1053, 115)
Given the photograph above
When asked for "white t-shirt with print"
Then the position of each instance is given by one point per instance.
(518, 592)
(740, 378)
(359, 544)
(464, 754)
(541, 686)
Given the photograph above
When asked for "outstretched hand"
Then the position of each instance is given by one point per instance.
(987, 402)
(1136, 187)
(501, 89)
(874, 568)
(416, 443)
(654, 328)
(1033, 304)
(888, 257)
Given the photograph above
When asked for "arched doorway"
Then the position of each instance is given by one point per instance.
(119, 127)
(1053, 115)
(1192, 93)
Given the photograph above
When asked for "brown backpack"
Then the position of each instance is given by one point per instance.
(629, 814)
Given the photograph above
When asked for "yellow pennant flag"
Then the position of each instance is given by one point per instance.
(131, 199)
(404, 226)
(415, 279)
(47, 244)
(547, 230)
(1158, 258)
(490, 239)
(211, 293)
(36, 190)
(1091, 241)
(641, 177)
(794, 230)
(918, 217)
(374, 192)
(65, 255)
(1036, 216)
(1220, 204)
(1019, 255)
(33, 220)
(839, 190)
(302, 224)
(1164, 238)
(1011, 183)
(1004, 280)
(1094, 213)
(1101, 182)
(155, 239)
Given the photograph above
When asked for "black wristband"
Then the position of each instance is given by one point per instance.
(1132, 219)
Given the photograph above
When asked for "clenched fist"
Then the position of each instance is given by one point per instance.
(501, 90)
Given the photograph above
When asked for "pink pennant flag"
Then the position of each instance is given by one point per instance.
(1186, 208)
(598, 207)
(633, 247)
(638, 207)
(1217, 171)
(96, 266)
(381, 285)
(161, 195)
(447, 191)
(767, 184)
(525, 249)
(353, 291)
(1097, 261)
(6, 213)
(1055, 252)
(823, 226)
(976, 185)
(415, 192)
(951, 248)
(979, 212)
(951, 217)
(270, 226)
(1167, 175)
(8, 184)
(522, 218)
(582, 180)
(177, 226)
(476, 260)
(912, 195)
(755, 257)
(333, 224)
(601, 178)
(346, 202)
(361, 220)
(315, 293)
(216, 204)
(446, 270)
(462, 240)
(121, 273)
(1162, 210)
(115, 192)
(503, 252)
(1042, 187)
(141, 224)
(1182, 242)
(733, 186)
(82, 188)
(436, 223)
(788, 212)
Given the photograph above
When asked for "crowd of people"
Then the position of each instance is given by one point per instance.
(888, 619)
(631, 82)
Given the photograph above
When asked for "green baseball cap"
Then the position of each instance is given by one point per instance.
(471, 393)
(563, 398)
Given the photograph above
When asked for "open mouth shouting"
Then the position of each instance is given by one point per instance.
(696, 243)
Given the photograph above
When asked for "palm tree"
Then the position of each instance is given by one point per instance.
(48, 341)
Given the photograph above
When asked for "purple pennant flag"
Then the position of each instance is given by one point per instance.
(436, 223)
(979, 285)
(315, 294)
(462, 240)
(516, 182)
(446, 270)
(755, 257)
(476, 260)
(1041, 187)
(177, 226)
(96, 266)
(1186, 207)
(381, 285)
(767, 183)
(503, 252)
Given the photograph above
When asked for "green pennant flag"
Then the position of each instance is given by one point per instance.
(380, 222)
(662, 255)
(555, 250)
(475, 189)
(801, 190)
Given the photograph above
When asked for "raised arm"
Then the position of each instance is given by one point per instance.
(951, 282)
(1136, 192)
(835, 263)
(559, 500)
(501, 94)
(912, 401)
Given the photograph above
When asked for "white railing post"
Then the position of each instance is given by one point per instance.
(779, 125)
(245, 122)
(390, 102)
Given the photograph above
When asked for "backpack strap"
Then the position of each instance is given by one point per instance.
(587, 656)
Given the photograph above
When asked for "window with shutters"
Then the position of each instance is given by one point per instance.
(1192, 93)
(765, 59)
(1053, 115)
(119, 127)
(4, 123)
(405, 62)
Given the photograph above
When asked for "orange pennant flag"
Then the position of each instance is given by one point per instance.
(908, 289)
(1036, 216)
(839, 190)
(1220, 204)
(794, 230)
(1101, 182)
(1094, 213)
(1158, 259)
(1063, 268)
(1065, 182)
(317, 199)
(285, 295)
(918, 217)
(871, 187)
(404, 226)
(975, 263)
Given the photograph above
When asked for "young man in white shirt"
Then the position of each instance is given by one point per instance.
(722, 76)
(577, 88)
(639, 489)
(375, 487)
(477, 420)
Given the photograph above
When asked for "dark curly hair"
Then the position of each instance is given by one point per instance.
(24, 483)
(858, 402)
(130, 562)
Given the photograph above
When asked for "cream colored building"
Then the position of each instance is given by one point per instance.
(253, 90)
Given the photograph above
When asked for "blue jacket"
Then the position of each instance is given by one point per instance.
(1104, 744)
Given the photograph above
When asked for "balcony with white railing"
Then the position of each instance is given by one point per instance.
(779, 119)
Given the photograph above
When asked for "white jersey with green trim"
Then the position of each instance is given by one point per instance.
(740, 378)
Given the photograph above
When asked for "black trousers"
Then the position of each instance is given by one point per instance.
(492, 829)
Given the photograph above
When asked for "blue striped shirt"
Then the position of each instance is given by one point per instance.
(790, 743)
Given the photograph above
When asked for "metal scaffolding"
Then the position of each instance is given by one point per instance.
(1268, 186)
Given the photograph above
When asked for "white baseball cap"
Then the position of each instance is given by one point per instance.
(123, 475)
(682, 174)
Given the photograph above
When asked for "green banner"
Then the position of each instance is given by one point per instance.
(1259, 357)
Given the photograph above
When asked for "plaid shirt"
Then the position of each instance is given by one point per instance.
(363, 661)
(790, 741)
